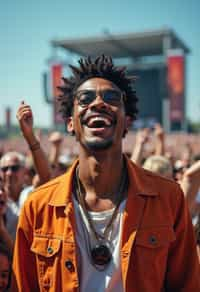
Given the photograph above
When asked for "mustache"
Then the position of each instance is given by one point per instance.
(85, 116)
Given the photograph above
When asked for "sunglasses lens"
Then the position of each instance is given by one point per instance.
(86, 97)
(13, 168)
(112, 96)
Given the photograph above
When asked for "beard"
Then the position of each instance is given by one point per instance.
(99, 145)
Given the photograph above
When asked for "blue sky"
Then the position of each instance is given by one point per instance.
(26, 28)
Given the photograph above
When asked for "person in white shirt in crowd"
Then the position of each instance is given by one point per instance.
(8, 220)
(12, 170)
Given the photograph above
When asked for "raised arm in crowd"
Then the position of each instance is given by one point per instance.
(25, 119)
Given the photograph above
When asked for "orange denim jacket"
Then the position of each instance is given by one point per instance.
(158, 250)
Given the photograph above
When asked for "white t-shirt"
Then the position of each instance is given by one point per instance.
(12, 214)
(198, 197)
(24, 195)
(91, 279)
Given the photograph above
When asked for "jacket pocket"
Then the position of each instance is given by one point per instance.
(47, 254)
(155, 237)
(149, 257)
(150, 252)
(45, 246)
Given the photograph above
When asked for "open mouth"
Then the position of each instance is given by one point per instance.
(99, 121)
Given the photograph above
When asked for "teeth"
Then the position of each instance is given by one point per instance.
(103, 120)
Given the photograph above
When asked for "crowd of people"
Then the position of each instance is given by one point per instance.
(20, 173)
(23, 174)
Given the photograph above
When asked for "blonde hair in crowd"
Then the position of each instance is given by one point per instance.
(159, 164)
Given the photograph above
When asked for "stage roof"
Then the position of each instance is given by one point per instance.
(148, 43)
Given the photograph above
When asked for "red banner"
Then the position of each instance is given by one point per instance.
(56, 71)
(176, 86)
(8, 117)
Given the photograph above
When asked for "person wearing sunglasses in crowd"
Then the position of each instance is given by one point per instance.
(12, 170)
(106, 224)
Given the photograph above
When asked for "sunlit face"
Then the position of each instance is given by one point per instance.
(98, 124)
(4, 272)
(12, 174)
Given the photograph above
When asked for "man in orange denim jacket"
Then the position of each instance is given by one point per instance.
(107, 224)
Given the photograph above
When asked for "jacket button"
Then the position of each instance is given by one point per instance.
(69, 265)
(152, 239)
(50, 250)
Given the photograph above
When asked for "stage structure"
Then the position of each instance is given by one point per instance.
(157, 58)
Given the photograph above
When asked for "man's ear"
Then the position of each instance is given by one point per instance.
(127, 126)
(129, 121)
(70, 125)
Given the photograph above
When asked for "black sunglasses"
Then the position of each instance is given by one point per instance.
(110, 96)
(13, 168)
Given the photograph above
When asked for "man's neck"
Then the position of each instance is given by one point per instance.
(100, 180)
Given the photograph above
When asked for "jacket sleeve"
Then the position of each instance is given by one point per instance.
(24, 265)
(183, 273)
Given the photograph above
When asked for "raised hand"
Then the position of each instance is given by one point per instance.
(25, 119)
(159, 131)
(142, 136)
(160, 139)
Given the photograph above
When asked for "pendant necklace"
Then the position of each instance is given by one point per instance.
(100, 254)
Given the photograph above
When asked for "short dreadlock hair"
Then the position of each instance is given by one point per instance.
(102, 67)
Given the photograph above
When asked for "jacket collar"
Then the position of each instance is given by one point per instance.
(62, 193)
(140, 180)
(140, 183)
